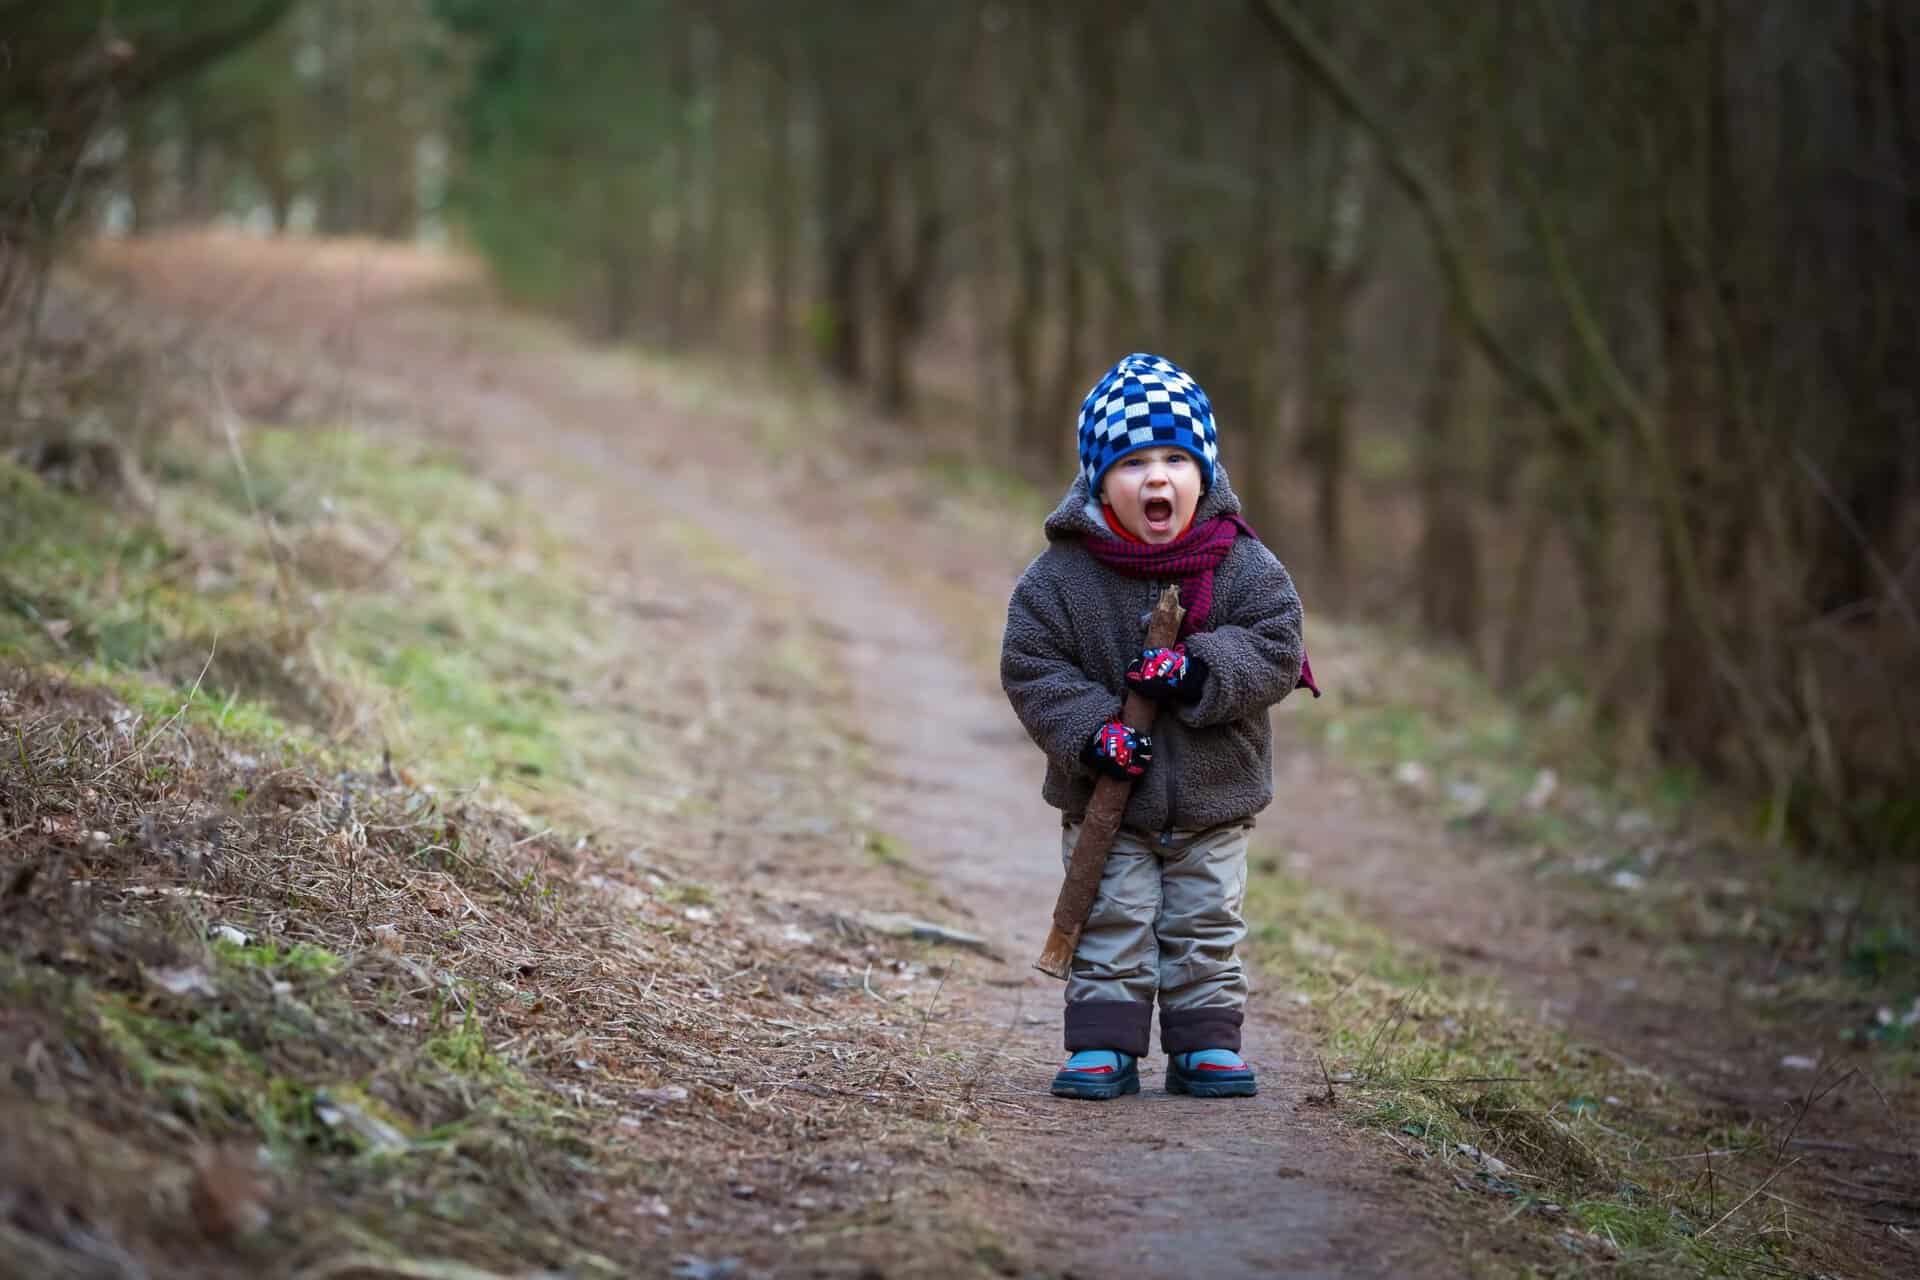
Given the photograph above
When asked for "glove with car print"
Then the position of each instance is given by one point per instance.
(1119, 752)
(1168, 675)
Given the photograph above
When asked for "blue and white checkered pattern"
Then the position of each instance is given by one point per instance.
(1144, 401)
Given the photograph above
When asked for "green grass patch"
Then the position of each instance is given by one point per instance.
(1568, 1139)
(299, 958)
(342, 592)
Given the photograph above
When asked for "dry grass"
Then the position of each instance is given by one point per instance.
(519, 995)
(444, 1034)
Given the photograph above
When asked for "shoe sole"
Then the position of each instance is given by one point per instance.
(1221, 1089)
(1096, 1092)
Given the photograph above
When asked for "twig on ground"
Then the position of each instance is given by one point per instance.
(1807, 1105)
(281, 577)
(1331, 1098)
(1466, 1079)
(1395, 1017)
(139, 751)
(1778, 1170)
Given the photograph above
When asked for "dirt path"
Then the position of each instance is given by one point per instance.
(1153, 1185)
(1158, 1185)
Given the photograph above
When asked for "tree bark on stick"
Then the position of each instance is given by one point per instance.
(1104, 811)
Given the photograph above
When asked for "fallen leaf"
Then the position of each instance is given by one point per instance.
(229, 1196)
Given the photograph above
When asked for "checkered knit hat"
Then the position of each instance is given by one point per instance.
(1143, 401)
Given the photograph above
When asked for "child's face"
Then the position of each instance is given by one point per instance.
(1154, 492)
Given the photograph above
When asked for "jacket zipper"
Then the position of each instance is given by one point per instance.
(1166, 763)
(1173, 787)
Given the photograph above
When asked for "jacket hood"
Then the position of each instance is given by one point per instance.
(1079, 515)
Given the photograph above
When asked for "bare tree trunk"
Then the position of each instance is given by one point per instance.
(1327, 395)
(891, 333)
(1690, 715)
(1026, 301)
(681, 249)
(1693, 714)
(1516, 653)
(779, 206)
(339, 212)
(1449, 554)
(617, 276)
(1870, 468)
(1090, 54)
(1326, 360)
(1256, 351)
(842, 232)
(712, 225)
(143, 180)
(908, 276)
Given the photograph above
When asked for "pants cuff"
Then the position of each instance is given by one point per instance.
(1191, 1030)
(1124, 1026)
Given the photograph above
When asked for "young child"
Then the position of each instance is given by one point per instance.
(1150, 506)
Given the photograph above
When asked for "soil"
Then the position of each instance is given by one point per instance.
(1153, 1185)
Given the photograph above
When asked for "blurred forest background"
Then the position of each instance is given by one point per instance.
(1582, 336)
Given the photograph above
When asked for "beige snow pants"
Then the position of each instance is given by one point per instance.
(1166, 925)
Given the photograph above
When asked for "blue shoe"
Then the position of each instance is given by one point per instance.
(1097, 1075)
(1210, 1073)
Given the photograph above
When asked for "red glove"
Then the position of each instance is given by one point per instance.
(1119, 752)
(1173, 673)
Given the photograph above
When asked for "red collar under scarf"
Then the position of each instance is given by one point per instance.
(1125, 534)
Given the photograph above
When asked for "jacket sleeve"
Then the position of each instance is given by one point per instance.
(1060, 706)
(1253, 652)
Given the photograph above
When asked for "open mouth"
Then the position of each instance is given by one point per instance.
(1159, 512)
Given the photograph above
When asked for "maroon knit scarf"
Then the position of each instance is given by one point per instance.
(1189, 560)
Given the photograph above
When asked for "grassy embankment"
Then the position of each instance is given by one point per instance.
(356, 904)
(1614, 1165)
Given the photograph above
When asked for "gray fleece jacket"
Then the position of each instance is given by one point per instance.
(1074, 625)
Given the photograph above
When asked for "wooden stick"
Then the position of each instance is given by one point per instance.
(1104, 811)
